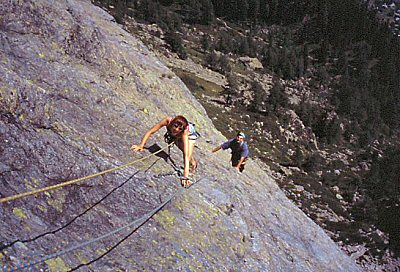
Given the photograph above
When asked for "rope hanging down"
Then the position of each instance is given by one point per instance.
(140, 221)
(77, 216)
(53, 187)
(2, 247)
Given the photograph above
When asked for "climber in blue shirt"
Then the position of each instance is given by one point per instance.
(239, 148)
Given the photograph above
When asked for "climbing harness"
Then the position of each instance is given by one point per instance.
(168, 138)
(193, 134)
(53, 187)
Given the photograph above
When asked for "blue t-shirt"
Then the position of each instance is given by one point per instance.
(238, 149)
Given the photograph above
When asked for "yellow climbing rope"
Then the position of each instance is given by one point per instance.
(53, 187)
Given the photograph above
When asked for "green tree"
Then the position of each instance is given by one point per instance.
(211, 60)
(232, 90)
(300, 67)
(224, 66)
(174, 40)
(120, 10)
(383, 180)
(207, 12)
(190, 10)
(149, 11)
(334, 132)
(205, 43)
(277, 97)
(244, 48)
(242, 6)
(298, 156)
(225, 43)
(258, 103)
(254, 10)
(265, 11)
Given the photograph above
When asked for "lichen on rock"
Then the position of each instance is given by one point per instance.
(76, 92)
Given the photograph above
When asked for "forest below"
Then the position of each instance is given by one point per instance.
(339, 46)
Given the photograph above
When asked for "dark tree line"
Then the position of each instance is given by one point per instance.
(368, 60)
(383, 186)
(260, 11)
(322, 39)
(340, 45)
(346, 40)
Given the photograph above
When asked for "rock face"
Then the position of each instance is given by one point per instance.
(251, 63)
(76, 91)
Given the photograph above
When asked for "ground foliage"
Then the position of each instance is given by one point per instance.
(76, 92)
(338, 46)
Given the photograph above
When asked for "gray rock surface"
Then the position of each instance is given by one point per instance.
(75, 92)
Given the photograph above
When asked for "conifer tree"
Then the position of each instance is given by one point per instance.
(207, 12)
(258, 103)
(254, 10)
(277, 97)
(206, 43)
(176, 44)
(242, 7)
(211, 60)
(244, 48)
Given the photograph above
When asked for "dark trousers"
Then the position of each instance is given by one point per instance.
(235, 161)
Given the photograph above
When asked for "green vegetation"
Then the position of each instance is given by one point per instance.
(340, 46)
(335, 48)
